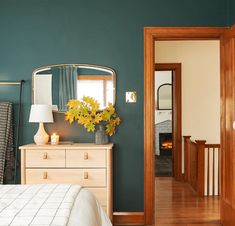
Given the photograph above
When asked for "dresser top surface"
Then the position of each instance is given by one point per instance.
(68, 146)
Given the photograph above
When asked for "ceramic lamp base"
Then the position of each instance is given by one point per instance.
(41, 137)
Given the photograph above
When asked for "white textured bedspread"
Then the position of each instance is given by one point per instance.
(44, 205)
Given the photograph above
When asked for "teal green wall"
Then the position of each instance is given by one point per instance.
(105, 32)
(231, 12)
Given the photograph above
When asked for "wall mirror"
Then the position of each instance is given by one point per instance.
(56, 84)
(164, 97)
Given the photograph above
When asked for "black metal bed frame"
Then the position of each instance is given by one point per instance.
(16, 146)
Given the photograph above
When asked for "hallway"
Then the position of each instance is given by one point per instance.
(178, 205)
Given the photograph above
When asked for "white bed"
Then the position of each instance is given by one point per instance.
(50, 204)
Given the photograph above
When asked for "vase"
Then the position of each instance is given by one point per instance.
(100, 136)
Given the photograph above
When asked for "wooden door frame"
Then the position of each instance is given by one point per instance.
(176, 115)
(152, 34)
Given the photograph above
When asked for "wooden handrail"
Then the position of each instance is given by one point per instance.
(212, 145)
(195, 162)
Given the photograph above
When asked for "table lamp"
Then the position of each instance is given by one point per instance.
(41, 113)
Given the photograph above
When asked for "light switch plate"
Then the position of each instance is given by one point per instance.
(131, 97)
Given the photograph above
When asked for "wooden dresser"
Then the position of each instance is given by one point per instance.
(88, 165)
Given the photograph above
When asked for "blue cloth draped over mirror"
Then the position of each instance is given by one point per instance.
(67, 85)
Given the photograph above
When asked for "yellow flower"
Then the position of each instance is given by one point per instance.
(86, 112)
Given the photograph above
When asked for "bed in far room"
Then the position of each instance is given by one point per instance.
(49, 204)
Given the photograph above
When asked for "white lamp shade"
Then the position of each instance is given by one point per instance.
(41, 113)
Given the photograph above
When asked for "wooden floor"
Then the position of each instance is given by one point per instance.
(178, 205)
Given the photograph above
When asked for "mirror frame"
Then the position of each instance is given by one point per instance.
(164, 84)
(85, 66)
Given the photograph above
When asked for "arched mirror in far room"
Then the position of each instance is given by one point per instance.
(164, 97)
(56, 84)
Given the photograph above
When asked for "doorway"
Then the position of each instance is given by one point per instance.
(168, 120)
(163, 124)
(151, 35)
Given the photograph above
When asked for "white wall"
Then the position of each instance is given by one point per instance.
(42, 89)
(200, 85)
(162, 77)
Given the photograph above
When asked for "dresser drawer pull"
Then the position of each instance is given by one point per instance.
(85, 175)
(85, 156)
(44, 155)
(44, 175)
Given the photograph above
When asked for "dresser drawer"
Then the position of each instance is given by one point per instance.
(100, 194)
(85, 158)
(84, 177)
(45, 158)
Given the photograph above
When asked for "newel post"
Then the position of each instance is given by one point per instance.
(186, 158)
(200, 166)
